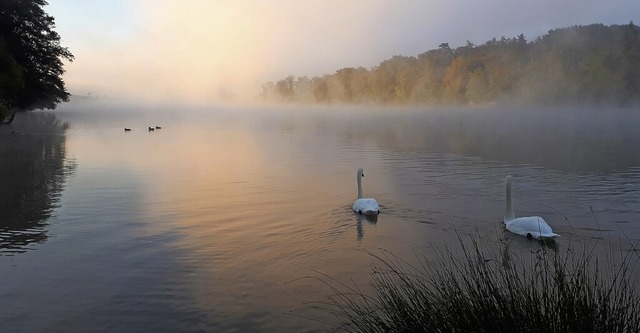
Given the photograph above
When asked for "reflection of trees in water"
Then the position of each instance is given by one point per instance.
(564, 140)
(597, 140)
(32, 175)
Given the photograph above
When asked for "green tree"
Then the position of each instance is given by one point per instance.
(31, 53)
(11, 80)
(630, 46)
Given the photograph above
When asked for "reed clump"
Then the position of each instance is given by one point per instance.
(492, 288)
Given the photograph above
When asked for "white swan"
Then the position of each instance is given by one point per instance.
(366, 206)
(529, 226)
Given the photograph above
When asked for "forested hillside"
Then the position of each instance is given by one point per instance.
(580, 64)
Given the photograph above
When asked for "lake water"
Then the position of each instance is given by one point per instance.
(213, 223)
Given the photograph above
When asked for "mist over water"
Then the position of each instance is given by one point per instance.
(210, 222)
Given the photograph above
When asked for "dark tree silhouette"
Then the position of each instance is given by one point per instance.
(31, 57)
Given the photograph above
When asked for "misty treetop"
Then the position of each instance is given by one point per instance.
(31, 57)
(579, 64)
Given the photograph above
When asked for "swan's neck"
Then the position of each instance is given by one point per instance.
(360, 196)
(508, 215)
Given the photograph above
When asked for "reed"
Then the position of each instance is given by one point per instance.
(488, 287)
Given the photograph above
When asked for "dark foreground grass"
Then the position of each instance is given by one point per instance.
(481, 288)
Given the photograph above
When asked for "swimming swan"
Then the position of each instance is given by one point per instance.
(529, 226)
(366, 206)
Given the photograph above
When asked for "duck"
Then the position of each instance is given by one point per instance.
(151, 129)
(362, 205)
(127, 129)
(532, 227)
(158, 127)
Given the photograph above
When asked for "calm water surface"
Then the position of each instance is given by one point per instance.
(213, 222)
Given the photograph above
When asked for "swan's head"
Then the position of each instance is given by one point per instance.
(508, 179)
(360, 172)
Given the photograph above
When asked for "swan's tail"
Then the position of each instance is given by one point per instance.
(548, 235)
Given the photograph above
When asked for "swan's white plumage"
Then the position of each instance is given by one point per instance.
(367, 206)
(534, 226)
(362, 205)
(529, 226)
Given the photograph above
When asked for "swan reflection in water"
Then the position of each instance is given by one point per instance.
(371, 219)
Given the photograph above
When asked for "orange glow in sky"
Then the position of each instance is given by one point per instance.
(209, 51)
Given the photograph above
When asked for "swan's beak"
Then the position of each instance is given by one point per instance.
(363, 174)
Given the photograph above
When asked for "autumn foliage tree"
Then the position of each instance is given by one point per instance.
(579, 64)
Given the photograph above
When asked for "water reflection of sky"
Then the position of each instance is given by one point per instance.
(212, 217)
(437, 165)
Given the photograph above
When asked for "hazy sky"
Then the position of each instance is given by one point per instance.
(202, 50)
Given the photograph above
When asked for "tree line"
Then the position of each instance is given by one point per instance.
(579, 64)
(31, 66)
